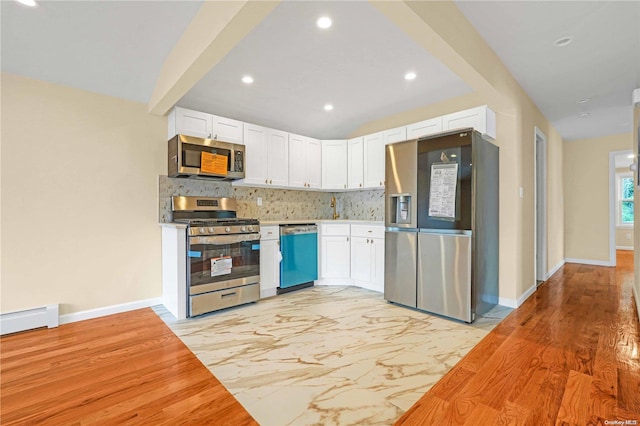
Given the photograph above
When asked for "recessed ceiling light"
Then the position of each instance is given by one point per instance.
(30, 3)
(247, 79)
(584, 114)
(328, 107)
(583, 101)
(410, 76)
(563, 41)
(324, 22)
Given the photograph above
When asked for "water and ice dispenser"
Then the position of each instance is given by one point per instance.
(400, 209)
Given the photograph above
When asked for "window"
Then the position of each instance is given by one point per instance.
(624, 199)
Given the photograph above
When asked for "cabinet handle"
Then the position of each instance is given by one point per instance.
(215, 137)
(367, 241)
(345, 186)
(209, 136)
(270, 181)
(347, 238)
(227, 295)
(360, 185)
(266, 181)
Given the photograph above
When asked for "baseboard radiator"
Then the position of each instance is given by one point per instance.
(28, 319)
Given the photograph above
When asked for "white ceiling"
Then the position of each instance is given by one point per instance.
(118, 48)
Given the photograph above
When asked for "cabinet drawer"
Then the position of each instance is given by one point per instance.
(334, 229)
(367, 231)
(270, 232)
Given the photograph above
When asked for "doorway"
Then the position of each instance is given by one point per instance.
(540, 183)
(620, 234)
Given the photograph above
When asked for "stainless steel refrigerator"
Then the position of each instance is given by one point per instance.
(441, 217)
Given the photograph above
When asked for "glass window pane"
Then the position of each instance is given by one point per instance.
(627, 188)
(627, 212)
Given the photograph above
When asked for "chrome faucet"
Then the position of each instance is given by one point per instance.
(333, 204)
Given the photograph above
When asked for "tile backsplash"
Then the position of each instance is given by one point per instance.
(277, 204)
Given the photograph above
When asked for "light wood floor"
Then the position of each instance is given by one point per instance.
(569, 355)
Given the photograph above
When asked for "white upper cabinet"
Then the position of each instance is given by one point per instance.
(227, 130)
(277, 157)
(334, 164)
(255, 140)
(398, 134)
(481, 118)
(305, 162)
(267, 156)
(355, 157)
(184, 121)
(424, 128)
(374, 160)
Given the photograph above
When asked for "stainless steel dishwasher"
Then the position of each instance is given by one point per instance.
(299, 248)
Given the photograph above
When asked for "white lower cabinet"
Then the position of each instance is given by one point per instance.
(334, 250)
(269, 260)
(367, 256)
(352, 254)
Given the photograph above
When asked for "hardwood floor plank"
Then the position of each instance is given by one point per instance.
(121, 369)
(573, 409)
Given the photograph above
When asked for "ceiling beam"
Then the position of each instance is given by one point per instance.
(445, 32)
(216, 29)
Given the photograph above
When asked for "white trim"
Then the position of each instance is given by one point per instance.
(539, 271)
(526, 294)
(624, 248)
(612, 208)
(590, 262)
(509, 303)
(109, 310)
(28, 319)
(555, 269)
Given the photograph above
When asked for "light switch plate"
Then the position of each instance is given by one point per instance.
(259, 201)
(521, 192)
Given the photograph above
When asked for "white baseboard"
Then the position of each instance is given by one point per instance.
(28, 319)
(526, 294)
(109, 310)
(555, 269)
(509, 303)
(589, 262)
(624, 248)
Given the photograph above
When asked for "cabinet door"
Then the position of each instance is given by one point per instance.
(227, 130)
(463, 119)
(377, 264)
(334, 164)
(269, 266)
(278, 157)
(398, 134)
(424, 128)
(313, 163)
(355, 169)
(255, 140)
(297, 161)
(361, 259)
(193, 123)
(335, 257)
(374, 160)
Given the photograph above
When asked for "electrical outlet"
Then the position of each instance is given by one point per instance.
(521, 192)
(628, 236)
(259, 201)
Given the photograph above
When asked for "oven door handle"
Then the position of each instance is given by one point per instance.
(223, 239)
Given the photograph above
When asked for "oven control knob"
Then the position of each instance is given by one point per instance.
(250, 228)
(202, 231)
(243, 228)
(212, 230)
(227, 229)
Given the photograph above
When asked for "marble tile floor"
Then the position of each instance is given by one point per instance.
(328, 355)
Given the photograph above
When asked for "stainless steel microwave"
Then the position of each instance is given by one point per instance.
(205, 158)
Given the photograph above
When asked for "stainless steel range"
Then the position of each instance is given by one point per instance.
(223, 253)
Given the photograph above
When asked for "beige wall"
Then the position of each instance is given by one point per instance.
(79, 198)
(586, 193)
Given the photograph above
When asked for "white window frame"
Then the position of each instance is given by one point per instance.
(620, 200)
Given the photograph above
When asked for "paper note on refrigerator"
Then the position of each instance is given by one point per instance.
(442, 197)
